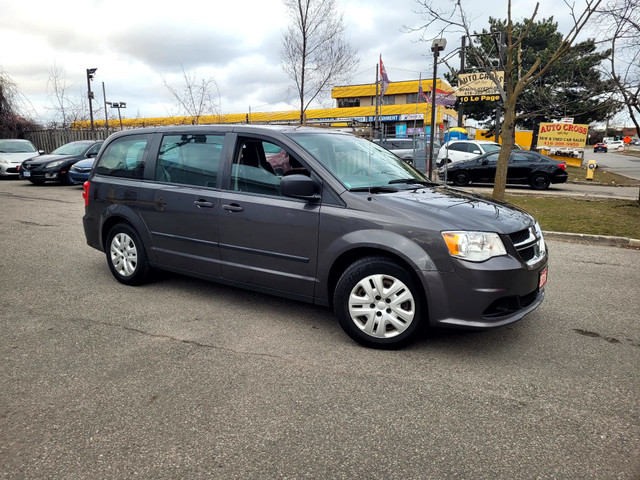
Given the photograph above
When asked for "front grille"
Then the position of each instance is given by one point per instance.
(529, 244)
(519, 237)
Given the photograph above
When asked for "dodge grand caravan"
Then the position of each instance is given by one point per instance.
(341, 222)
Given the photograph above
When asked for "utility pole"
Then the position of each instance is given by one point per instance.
(463, 58)
(90, 73)
(376, 123)
(437, 46)
(106, 112)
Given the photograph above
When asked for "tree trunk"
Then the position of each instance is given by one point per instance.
(508, 135)
(534, 137)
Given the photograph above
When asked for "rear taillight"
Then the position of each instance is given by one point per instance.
(563, 165)
(85, 193)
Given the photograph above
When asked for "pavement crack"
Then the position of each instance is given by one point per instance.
(175, 339)
(26, 197)
(34, 224)
(589, 333)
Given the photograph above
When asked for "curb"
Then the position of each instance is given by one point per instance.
(593, 239)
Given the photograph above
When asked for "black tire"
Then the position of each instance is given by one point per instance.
(126, 256)
(389, 319)
(37, 182)
(540, 181)
(461, 179)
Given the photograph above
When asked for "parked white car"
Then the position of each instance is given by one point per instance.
(613, 145)
(12, 153)
(457, 150)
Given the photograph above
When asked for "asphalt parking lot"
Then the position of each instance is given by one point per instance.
(183, 378)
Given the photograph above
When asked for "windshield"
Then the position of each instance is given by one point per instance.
(356, 162)
(16, 146)
(71, 149)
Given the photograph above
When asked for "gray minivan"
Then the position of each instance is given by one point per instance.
(341, 222)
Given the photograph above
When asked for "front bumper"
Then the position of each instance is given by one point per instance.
(484, 295)
(9, 169)
(40, 174)
(78, 177)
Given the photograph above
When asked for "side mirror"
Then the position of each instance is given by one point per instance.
(477, 152)
(300, 186)
(485, 162)
(92, 154)
(41, 152)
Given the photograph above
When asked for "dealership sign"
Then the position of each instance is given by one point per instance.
(562, 135)
(479, 87)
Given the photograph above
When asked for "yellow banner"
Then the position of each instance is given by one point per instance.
(562, 135)
(477, 84)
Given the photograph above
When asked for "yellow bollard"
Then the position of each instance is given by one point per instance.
(591, 169)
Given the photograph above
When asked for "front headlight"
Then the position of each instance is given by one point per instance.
(474, 246)
(55, 164)
(2, 160)
(543, 246)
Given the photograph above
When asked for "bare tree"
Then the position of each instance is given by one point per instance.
(66, 107)
(516, 78)
(315, 54)
(196, 97)
(619, 27)
(12, 102)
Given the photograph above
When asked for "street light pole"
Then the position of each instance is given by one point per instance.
(90, 73)
(118, 105)
(437, 46)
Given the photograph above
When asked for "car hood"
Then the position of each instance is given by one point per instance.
(42, 159)
(458, 209)
(18, 157)
(86, 163)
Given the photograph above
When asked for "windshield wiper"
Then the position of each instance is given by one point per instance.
(411, 180)
(376, 189)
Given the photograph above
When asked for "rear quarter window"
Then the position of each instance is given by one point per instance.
(124, 157)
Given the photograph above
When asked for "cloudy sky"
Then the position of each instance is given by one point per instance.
(134, 44)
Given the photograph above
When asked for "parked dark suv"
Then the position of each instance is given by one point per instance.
(341, 223)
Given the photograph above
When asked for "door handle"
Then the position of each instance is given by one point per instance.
(203, 204)
(234, 207)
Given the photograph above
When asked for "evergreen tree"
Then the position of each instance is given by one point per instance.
(572, 87)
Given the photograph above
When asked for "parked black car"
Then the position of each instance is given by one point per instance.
(600, 147)
(56, 165)
(344, 223)
(525, 168)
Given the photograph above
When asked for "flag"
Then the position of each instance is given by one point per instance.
(442, 98)
(421, 94)
(384, 79)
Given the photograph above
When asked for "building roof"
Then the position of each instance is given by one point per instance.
(395, 88)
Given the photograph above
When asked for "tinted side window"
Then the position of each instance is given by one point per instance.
(521, 158)
(458, 147)
(189, 159)
(473, 148)
(259, 166)
(124, 157)
(94, 150)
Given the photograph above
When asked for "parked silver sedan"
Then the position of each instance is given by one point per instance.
(12, 153)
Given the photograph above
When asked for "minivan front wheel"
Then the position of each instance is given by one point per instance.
(378, 304)
(126, 256)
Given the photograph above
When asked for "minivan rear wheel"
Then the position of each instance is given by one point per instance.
(378, 304)
(126, 256)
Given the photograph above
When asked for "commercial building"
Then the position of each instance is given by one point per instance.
(403, 112)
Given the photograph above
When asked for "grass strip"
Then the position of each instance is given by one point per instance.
(619, 218)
